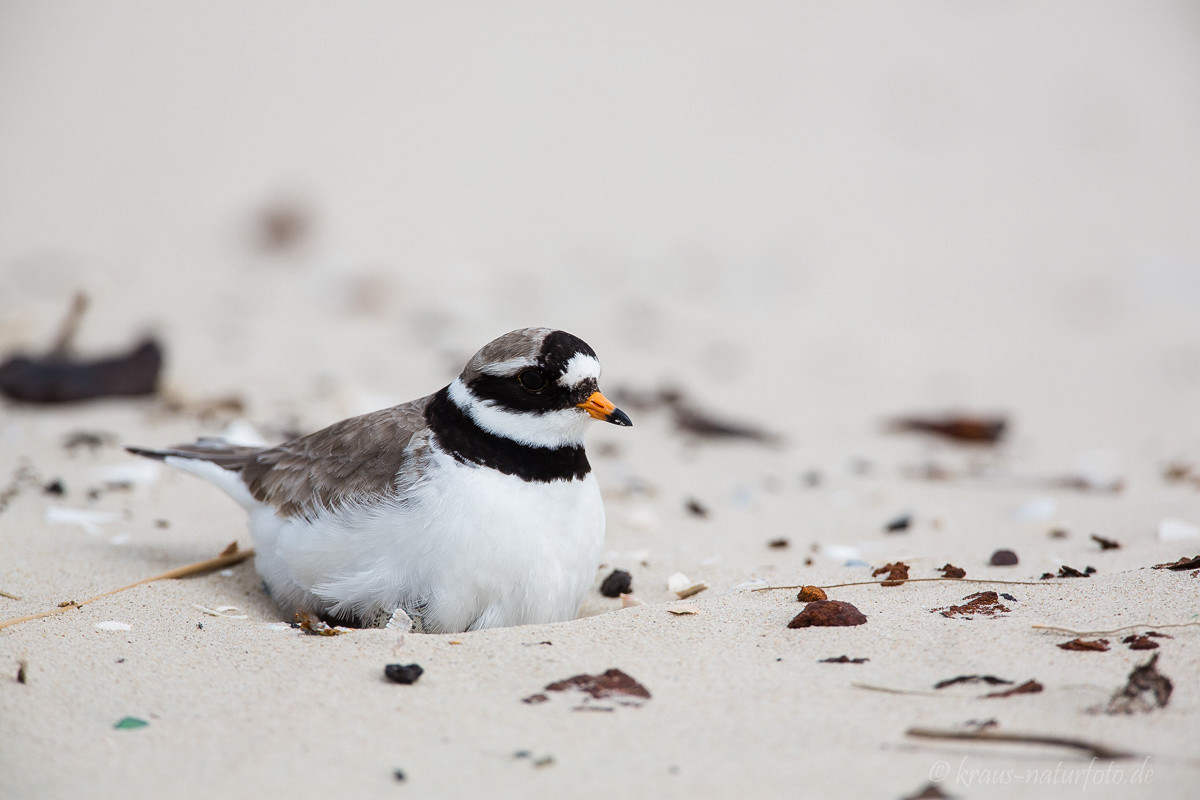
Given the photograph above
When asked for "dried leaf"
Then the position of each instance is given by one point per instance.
(897, 574)
(989, 679)
(1182, 564)
(974, 430)
(951, 571)
(1145, 690)
(1084, 645)
(985, 603)
(1028, 687)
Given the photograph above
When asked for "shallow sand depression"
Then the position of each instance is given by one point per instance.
(801, 227)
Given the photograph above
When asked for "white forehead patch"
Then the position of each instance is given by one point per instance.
(509, 367)
(579, 369)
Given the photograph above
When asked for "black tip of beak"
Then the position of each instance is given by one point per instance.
(619, 417)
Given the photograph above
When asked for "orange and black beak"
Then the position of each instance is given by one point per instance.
(600, 407)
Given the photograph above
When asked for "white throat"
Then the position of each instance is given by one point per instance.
(552, 429)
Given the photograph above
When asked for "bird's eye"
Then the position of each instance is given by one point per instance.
(532, 380)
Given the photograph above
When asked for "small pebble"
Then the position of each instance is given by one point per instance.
(1003, 558)
(616, 584)
(403, 673)
(828, 613)
(810, 593)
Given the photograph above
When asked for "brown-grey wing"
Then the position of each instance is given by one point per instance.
(355, 459)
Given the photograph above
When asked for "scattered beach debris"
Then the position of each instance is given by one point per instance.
(400, 621)
(1183, 563)
(90, 521)
(1036, 509)
(221, 611)
(951, 571)
(22, 476)
(683, 586)
(844, 660)
(1145, 690)
(958, 428)
(316, 627)
(1176, 530)
(619, 582)
(284, 224)
(929, 791)
(691, 420)
(898, 524)
(1068, 572)
(1028, 687)
(55, 487)
(1143, 642)
(683, 610)
(778, 544)
(22, 672)
(130, 724)
(810, 593)
(109, 625)
(1106, 544)
(57, 377)
(1003, 558)
(629, 601)
(991, 680)
(897, 574)
(985, 604)
(1095, 750)
(1086, 645)
(696, 508)
(406, 674)
(1181, 472)
(828, 614)
(90, 439)
(613, 684)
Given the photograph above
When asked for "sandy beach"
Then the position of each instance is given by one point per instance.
(801, 221)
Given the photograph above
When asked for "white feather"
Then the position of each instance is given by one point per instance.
(579, 369)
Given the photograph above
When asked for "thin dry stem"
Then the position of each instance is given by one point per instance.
(199, 567)
(906, 580)
(1147, 626)
(1096, 750)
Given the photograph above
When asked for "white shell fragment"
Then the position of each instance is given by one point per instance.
(1176, 530)
(90, 521)
(629, 601)
(678, 581)
(1036, 509)
(113, 625)
(400, 621)
(221, 611)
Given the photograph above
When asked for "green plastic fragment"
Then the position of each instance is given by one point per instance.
(129, 723)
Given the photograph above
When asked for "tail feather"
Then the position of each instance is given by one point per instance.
(217, 451)
(215, 460)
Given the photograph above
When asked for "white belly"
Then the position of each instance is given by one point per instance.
(467, 548)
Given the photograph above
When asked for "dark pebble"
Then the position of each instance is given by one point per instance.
(618, 583)
(1003, 558)
(898, 524)
(55, 487)
(403, 673)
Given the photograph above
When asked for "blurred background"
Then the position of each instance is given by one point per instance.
(815, 212)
